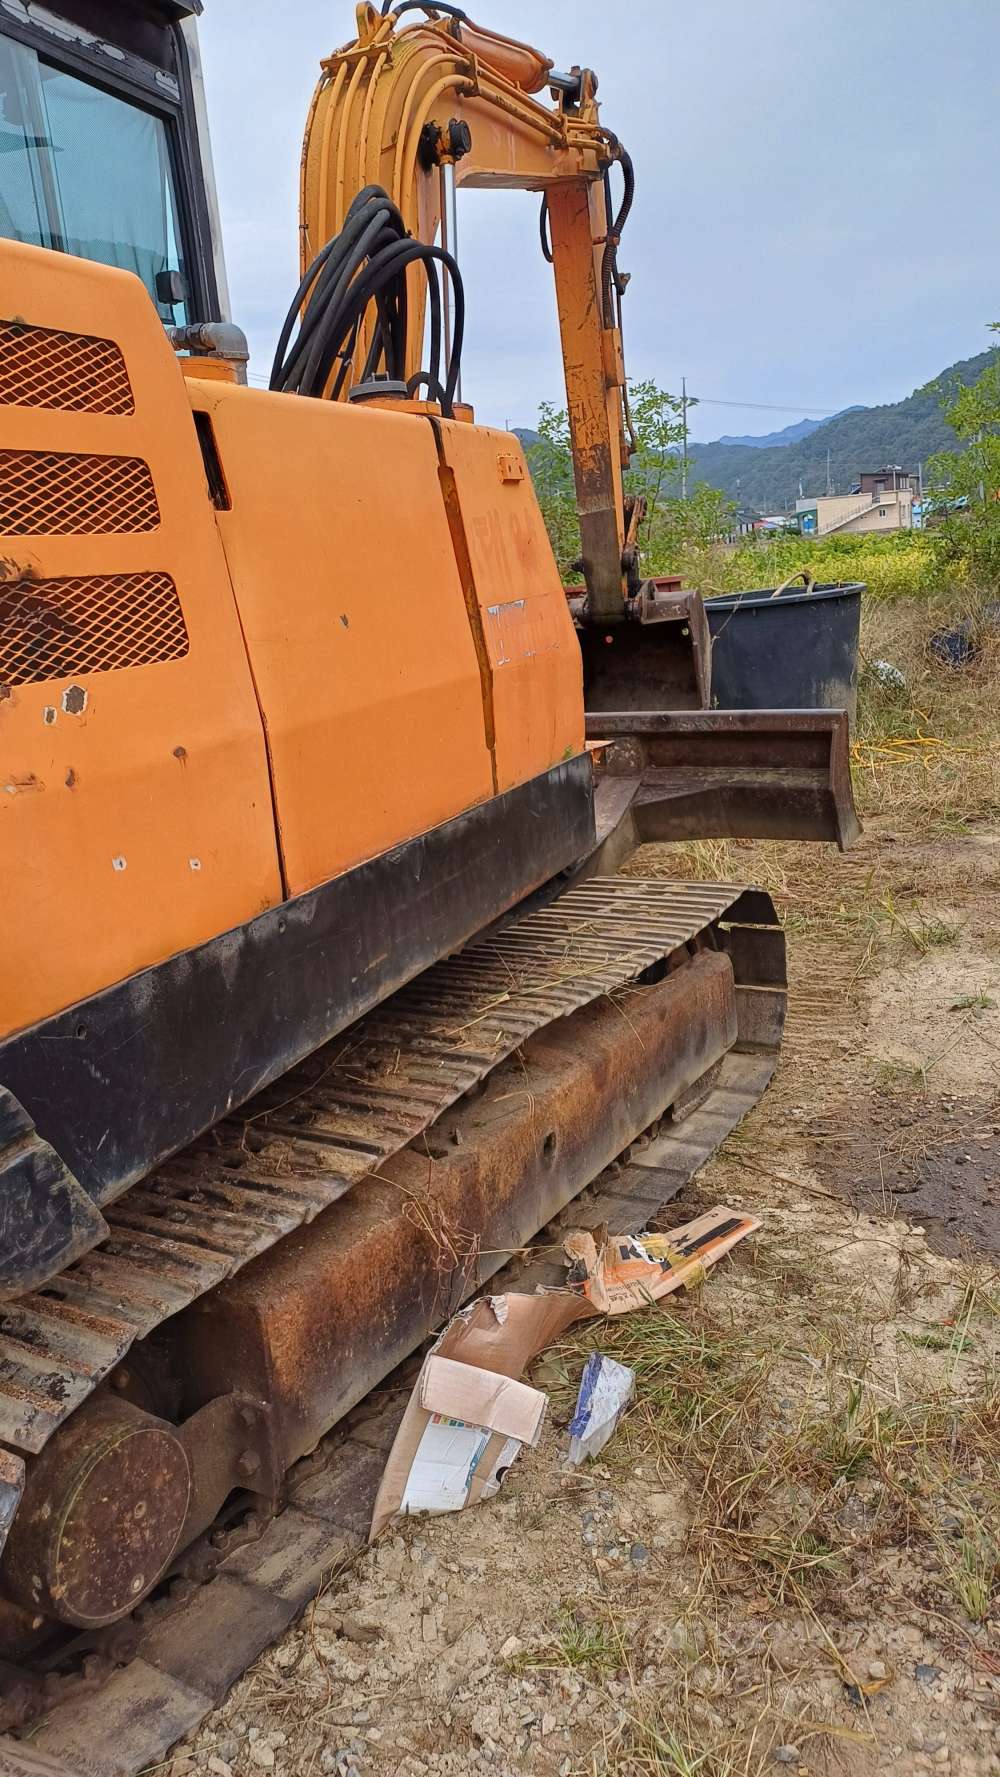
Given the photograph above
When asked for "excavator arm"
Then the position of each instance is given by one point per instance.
(421, 108)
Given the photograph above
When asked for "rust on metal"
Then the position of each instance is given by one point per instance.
(102, 1513)
(318, 1321)
(316, 1133)
(230, 1443)
(713, 774)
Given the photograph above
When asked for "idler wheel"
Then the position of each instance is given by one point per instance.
(102, 1513)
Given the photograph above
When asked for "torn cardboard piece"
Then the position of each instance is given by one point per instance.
(606, 1387)
(448, 1459)
(621, 1272)
(440, 1462)
(481, 1397)
(468, 1410)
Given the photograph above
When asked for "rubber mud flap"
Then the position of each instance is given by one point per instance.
(46, 1217)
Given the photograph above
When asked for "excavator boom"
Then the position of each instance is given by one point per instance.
(420, 107)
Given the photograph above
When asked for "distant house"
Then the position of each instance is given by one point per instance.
(881, 500)
(892, 479)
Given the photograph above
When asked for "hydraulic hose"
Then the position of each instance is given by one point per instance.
(432, 6)
(610, 277)
(366, 264)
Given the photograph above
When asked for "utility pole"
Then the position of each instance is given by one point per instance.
(684, 423)
(829, 483)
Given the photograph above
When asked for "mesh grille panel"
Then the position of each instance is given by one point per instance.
(48, 492)
(54, 629)
(42, 368)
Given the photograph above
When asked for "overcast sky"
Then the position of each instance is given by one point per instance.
(816, 220)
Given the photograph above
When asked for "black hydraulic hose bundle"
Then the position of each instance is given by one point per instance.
(366, 263)
(430, 6)
(613, 281)
(609, 269)
(611, 278)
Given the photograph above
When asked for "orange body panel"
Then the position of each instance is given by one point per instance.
(405, 672)
(370, 640)
(135, 811)
(533, 655)
(355, 623)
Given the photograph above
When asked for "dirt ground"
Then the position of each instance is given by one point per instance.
(788, 1555)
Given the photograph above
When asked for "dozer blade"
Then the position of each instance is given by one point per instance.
(720, 774)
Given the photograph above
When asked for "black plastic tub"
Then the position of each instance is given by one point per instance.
(796, 649)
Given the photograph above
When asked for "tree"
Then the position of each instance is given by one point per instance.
(688, 527)
(967, 482)
(672, 526)
(550, 461)
(658, 425)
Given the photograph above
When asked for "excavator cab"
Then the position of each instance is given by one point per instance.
(105, 150)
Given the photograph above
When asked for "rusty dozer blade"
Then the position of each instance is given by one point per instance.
(720, 774)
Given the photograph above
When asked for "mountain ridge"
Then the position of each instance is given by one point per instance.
(906, 432)
(763, 474)
(787, 435)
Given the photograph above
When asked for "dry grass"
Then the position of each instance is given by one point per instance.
(928, 755)
(926, 767)
(821, 1463)
(708, 1410)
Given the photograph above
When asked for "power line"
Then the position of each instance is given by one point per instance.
(802, 407)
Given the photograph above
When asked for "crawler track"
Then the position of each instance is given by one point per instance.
(115, 1700)
(323, 1128)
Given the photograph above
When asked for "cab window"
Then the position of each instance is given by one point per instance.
(86, 172)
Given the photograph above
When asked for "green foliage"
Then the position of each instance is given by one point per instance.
(893, 565)
(968, 481)
(683, 536)
(656, 464)
(672, 526)
(686, 529)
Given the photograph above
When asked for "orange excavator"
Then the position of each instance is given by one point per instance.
(319, 992)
